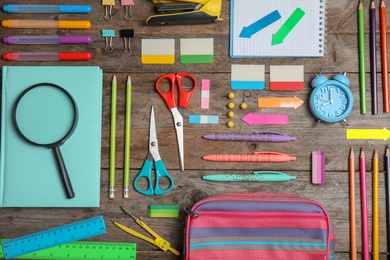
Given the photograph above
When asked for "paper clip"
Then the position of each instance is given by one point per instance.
(127, 6)
(126, 35)
(108, 9)
(108, 34)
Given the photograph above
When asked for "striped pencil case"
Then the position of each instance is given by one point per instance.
(258, 226)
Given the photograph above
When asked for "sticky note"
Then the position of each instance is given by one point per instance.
(289, 77)
(318, 167)
(205, 94)
(203, 119)
(197, 51)
(163, 211)
(247, 77)
(158, 51)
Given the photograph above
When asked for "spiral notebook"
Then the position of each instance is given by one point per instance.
(277, 28)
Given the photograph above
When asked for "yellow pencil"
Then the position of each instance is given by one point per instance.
(375, 208)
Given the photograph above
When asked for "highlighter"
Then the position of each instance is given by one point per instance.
(61, 24)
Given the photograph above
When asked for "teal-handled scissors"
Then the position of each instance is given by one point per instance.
(177, 109)
(153, 156)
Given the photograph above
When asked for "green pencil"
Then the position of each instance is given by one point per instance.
(362, 65)
(126, 166)
(113, 137)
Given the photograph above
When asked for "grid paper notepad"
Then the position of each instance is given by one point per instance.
(277, 28)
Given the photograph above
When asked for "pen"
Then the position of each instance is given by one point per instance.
(63, 9)
(362, 64)
(42, 56)
(262, 176)
(254, 157)
(374, 86)
(352, 206)
(126, 167)
(254, 137)
(47, 39)
(375, 206)
(387, 188)
(385, 82)
(61, 24)
(363, 194)
(113, 137)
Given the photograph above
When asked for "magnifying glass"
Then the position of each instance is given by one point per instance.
(46, 115)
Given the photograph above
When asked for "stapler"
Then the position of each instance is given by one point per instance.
(185, 12)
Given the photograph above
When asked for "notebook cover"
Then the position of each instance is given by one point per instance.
(29, 175)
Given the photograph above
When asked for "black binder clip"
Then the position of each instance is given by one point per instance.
(126, 35)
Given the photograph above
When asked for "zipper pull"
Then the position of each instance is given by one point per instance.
(190, 212)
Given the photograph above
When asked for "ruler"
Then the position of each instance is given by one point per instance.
(53, 237)
(84, 250)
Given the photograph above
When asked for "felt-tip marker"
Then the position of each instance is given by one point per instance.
(263, 136)
(47, 9)
(47, 39)
(41, 56)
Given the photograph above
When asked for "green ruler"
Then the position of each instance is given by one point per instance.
(84, 250)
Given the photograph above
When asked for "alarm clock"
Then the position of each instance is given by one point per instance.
(331, 100)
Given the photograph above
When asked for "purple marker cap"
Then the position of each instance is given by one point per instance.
(82, 39)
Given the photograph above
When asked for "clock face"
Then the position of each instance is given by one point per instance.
(331, 103)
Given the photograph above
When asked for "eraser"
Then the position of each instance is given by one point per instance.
(318, 167)
(163, 211)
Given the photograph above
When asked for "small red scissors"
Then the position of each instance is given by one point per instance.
(177, 111)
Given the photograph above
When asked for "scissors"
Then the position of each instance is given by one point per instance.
(177, 111)
(153, 156)
(158, 241)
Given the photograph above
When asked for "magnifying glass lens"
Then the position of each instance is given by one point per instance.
(45, 114)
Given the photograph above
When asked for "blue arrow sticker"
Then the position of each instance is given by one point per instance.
(260, 24)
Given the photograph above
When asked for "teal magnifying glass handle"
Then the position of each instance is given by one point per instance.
(161, 172)
(63, 172)
(146, 172)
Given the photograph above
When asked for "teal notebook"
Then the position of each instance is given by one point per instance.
(29, 175)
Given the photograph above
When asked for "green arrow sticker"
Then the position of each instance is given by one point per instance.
(288, 26)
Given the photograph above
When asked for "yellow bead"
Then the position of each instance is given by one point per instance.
(243, 106)
(230, 124)
(230, 114)
(231, 95)
(230, 105)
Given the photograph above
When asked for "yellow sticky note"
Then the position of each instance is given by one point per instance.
(365, 134)
(158, 51)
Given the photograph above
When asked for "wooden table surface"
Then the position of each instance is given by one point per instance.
(341, 51)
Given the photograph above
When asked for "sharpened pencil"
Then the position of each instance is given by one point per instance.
(352, 205)
(384, 52)
(373, 61)
(375, 206)
(362, 63)
(364, 209)
(387, 188)
(113, 137)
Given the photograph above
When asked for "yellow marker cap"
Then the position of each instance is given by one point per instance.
(72, 24)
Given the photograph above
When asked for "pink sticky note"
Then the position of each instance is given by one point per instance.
(265, 119)
(318, 167)
(205, 94)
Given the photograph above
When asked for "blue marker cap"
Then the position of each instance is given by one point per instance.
(75, 9)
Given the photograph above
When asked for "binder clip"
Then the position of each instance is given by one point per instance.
(108, 9)
(127, 6)
(108, 34)
(126, 35)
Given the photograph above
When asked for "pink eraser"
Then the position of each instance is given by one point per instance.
(318, 167)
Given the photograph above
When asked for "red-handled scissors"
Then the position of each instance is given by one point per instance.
(177, 111)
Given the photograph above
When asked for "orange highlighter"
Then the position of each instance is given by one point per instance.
(61, 24)
(254, 157)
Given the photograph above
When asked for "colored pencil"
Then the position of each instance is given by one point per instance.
(126, 165)
(375, 207)
(113, 137)
(352, 203)
(387, 187)
(363, 194)
(385, 81)
(373, 61)
(362, 63)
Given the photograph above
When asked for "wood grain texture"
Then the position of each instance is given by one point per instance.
(341, 51)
